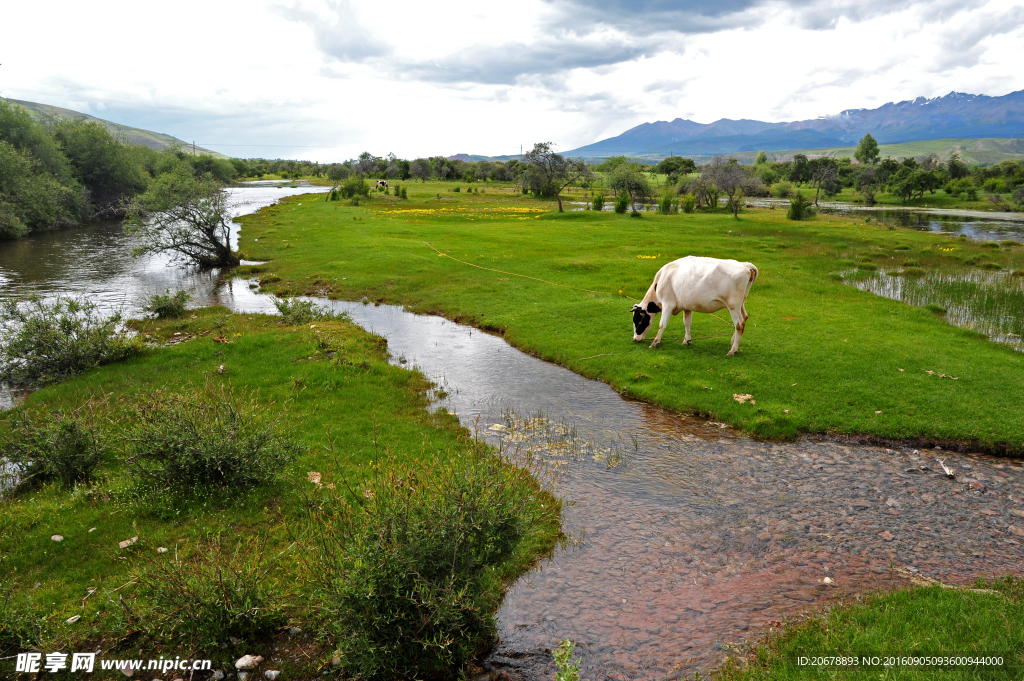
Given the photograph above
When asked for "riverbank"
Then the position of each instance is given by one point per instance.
(354, 415)
(818, 356)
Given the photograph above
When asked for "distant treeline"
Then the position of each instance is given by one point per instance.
(60, 172)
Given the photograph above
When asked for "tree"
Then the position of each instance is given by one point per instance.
(956, 167)
(185, 216)
(630, 178)
(676, 165)
(761, 158)
(800, 171)
(548, 173)
(104, 164)
(420, 169)
(732, 178)
(867, 150)
(825, 177)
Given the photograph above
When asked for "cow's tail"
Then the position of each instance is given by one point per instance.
(753, 277)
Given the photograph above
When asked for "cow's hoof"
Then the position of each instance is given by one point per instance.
(686, 342)
(655, 344)
(731, 353)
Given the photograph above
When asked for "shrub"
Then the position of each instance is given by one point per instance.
(46, 342)
(798, 207)
(408, 568)
(182, 441)
(54, 447)
(457, 189)
(295, 311)
(404, 194)
(621, 203)
(971, 193)
(783, 189)
(666, 205)
(168, 306)
(210, 596)
(353, 187)
(689, 203)
(598, 201)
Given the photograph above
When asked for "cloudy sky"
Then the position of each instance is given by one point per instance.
(327, 79)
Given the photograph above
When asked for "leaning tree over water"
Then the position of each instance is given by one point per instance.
(186, 216)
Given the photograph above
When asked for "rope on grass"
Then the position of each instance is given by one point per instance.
(552, 283)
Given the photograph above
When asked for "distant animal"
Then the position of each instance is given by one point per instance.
(696, 284)
(381, 183)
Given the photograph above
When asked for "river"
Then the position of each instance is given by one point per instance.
(690, 539)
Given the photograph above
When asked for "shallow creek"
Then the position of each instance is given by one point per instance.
(694, 538)
(688, 538)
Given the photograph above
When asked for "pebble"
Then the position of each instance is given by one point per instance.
(271, 674)
(161, 549)
(294, 631)
(57, 538)
(248, 661)
(217, 676)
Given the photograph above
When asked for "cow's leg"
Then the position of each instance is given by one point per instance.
(687, 317)
(739, 320)
(662, 323)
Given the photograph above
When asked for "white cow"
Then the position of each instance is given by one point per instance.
(696, 284)
(381, 183)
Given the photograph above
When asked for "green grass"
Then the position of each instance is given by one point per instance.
(919, 622)
(369, 412)
(828, 353)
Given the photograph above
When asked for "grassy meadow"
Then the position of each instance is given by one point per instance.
(819, 356)
(354, 415)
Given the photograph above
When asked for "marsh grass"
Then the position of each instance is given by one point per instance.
(989, 302)
(296, 311)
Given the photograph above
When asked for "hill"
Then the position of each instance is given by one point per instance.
(153, 140)
(954, 116)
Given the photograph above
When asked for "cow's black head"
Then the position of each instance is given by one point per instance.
(642, 318)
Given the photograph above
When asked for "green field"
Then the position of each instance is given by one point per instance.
(818, 355)
(355, 415)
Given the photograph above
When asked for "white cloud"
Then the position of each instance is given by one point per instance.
(326, 79)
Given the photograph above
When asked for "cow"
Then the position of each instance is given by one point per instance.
(381, 183)
(698, 284)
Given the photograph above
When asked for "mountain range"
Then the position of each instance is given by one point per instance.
(956, 115)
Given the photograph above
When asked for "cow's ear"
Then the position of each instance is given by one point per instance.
(653, 307)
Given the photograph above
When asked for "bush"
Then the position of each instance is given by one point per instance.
(56, 447)
(667, 205)
(408, 568)
(295, 311)
(353, 187)
(182, 441)
(798, 207)
(598, 201)
(168, 306)
(621, 203)
(457, 189)
(46, 342)
(971, 193)
(404, 194)
(210, 596)
(689, 203)
(783, 189)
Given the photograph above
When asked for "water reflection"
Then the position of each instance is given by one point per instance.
(96, 262)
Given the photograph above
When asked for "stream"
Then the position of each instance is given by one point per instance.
(689, 540)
